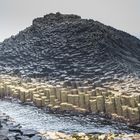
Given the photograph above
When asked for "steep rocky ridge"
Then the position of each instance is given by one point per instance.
(63, 47)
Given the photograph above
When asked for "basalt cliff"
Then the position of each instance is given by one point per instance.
(65, 47)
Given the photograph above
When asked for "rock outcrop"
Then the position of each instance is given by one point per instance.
(10, 130)
(66, 47)
(87, 62)
(107, 101)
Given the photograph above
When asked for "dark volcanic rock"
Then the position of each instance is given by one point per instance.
(64, 47)
(37, 137)
(11, 130)
(29, 133)
(23, 138)
(2, 137)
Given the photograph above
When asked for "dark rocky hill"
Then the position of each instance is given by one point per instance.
(65, 47)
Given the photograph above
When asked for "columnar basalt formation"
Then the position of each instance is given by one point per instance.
(99, 100)
(61, 47)
(66, 63)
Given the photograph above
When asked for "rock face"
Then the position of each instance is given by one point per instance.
(61, 47)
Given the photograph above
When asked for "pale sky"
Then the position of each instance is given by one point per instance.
(16, 15)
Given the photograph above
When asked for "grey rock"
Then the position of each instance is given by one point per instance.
(22, 138)
(29, 132)
(38, 137)
(3, 137)
(13, 129)
(11, 138)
